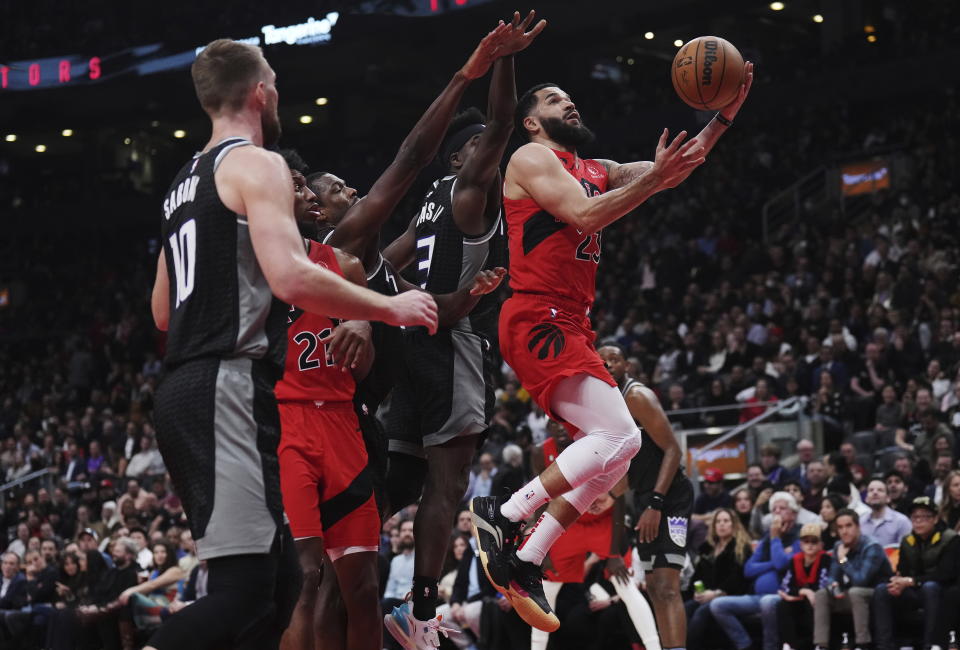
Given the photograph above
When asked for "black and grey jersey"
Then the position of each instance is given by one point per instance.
(645, 466)
(448, 260)
(220, 303)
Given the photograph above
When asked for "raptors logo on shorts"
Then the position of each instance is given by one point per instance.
(546, 337)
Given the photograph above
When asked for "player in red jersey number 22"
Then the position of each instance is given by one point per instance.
(556, 205)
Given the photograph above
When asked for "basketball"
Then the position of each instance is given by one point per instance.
(707, 73)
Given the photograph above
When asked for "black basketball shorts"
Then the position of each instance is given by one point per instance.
(670, 547)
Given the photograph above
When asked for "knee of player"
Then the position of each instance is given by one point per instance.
(631, 444)
(663, 589)
(364, 591)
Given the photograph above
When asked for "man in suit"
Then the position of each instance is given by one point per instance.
(13, 592)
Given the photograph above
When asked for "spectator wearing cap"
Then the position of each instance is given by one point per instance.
(713, 495)
(929, 558)
(860, 564)
(809, 571)
(89, 540)
(766, 568)
(884, 524)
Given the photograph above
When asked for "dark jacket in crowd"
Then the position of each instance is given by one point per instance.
(113, 583)
(43, 588)
(722, 572)
(16, 596)
(935, 559)
(866, 565)
(800, 576)
(461, 585)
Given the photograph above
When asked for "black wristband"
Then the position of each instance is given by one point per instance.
(724, 121)
(656, 502)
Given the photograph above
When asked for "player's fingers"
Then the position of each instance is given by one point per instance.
(663, 139)
(677, 141)
(689, 147)
(500, 271)
(539, 27)
(528, 20)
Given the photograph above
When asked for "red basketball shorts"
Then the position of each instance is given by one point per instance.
(546, 339)
(326, 485)
(569, 552)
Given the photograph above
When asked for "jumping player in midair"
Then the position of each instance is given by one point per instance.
(556, 206)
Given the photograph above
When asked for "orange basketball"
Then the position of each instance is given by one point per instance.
(707, 73)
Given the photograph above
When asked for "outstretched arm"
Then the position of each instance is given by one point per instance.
(535, 172)
(255, 182)
(619, 174)
(403, 250)
(359, 230)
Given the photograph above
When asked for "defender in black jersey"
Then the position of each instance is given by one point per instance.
(445, 396)
(229, 246)
(664, 496)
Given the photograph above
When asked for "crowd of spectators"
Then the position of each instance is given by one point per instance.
(857, 312)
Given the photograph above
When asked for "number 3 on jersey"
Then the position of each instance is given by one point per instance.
(307, 361)
(183, 249)
(589, 249)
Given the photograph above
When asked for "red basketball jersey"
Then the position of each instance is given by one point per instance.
(311, 375)
(549, 256)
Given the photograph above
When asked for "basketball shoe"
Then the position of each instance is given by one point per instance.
(411, 633)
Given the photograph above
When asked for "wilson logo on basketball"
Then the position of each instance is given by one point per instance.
(547, 336)
(710, 56)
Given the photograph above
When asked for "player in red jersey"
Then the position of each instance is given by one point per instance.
(556, 205)
(327, 491)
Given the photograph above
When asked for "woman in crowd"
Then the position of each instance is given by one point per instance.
(64, 631)
(161, 588)
(829, 507)
(720, 568)
(743, 505)
(459, 543)
(809, 570)
(950, 508)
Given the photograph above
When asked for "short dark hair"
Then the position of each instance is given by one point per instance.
(525, 104)
(892, 472)
(616, 346)
(294, 160)
(312, 179)
(460, 121)
(770, 450)
(224, 72)
(848, 512)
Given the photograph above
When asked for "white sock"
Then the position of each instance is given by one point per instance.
(525, 501)
(535, 547)
(639, 610)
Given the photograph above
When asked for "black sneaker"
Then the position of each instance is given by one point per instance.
(526, 594)
(496, 538)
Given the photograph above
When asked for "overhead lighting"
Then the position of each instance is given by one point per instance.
(630, 61)
(306, 119)
(11, 137)
(869, 29)
(619, 59)
(40, 148)
(155, 123)
(871, 38)
(179, 133)
(817, 18)
(648, 36)
(322, 101)
(678, 43)
(66, 133)
(127, 141)
(776, 6)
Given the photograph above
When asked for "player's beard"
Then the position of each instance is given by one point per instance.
(270, 125)
(567, 135)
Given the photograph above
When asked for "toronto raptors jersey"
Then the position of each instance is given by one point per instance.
(447, 260)
(310, 373)
(645, 466)
(549, 256)
(386, 339)
(220, 303)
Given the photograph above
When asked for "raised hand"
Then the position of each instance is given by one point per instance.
(673, 163)
(730, 110)
(487, 281)
(413, 308)
(504, 40)
(517, 38)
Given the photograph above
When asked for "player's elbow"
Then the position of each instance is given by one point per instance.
(288, 286)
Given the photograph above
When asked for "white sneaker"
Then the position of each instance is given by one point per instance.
(414, 634)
